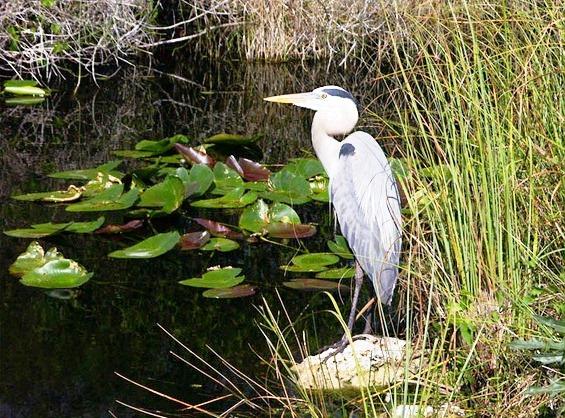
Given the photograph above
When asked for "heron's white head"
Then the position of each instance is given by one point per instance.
(336, 109)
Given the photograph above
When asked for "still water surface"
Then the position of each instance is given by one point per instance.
(58, 356)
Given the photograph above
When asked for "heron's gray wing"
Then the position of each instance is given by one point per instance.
(365, 198)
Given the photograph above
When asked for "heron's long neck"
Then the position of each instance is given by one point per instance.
(326, 147)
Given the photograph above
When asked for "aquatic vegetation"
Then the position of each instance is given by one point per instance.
(49, 269)
(23, 92)
(150, 247)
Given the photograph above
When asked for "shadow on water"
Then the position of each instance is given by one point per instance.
(58, 356)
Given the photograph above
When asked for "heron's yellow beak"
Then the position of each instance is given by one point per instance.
(295, 98)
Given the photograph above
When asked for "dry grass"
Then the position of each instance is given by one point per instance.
(41, 37)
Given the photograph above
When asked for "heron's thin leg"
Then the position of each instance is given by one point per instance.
(358, 283)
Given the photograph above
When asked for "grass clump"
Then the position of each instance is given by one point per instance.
(41, 37)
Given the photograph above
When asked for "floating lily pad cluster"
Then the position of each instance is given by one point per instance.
(170, 175)
(48, 269)
(23, 92)
(322, 265)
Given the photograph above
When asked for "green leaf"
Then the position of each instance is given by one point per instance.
(25, 90)
(234, 199)
(20, 83)
(24, 100)
(216, 279)
(199, 180)
(129, 153)
(315, 259)
(167, 195)
(279, 212)
(287, 230)
(340, 247)
(57, 274)
(254, 218)
(91, 173)
(231, 292)
(310, 268)
(220, 244)
(109, 199)
(33, 257)
(225, 179)
(337, 273)
(288, 187)
(73, 193)
(151, 247)
(557, 326)
(231, 139)
(161, 146)
(43, 230)
(399, 168)
(305, 167)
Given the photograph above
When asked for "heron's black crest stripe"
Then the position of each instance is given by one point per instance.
(346, 149)
(342, 93)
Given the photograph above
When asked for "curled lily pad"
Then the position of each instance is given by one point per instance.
(340, 247)
(260, 216)
(194, 240)
(290, 230)
(24, 100)
(56, 274)
(314, 284)
(194, 156)
(218, 229)
(315, 259)
(319, 186)
(118, 229)
(160, 146)
(216, 279)
(20, 83)
(248, 169)
(237, 198)
(46, 229)
(232, 163)
(239, 291)
(69, 195)
(25, 90)
(337, 273)
(221, 244)
(151, 247)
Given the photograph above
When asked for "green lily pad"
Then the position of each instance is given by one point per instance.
(216, 279)
(315, 259)
(237, 198)
(221, 244)
(160, 146)
(33, 257)
(232, 139)
(57, 274)
(167, 195)
(24, 100)
(25, 90)
(69, 195)
(314, 284)
(279, 212)
(151, 247)
(255, 218)
(199, 180)
(287, 187)
(109, 199)
(46, 229)
(20, 83)
(91, 173)
(239, 291)
(225, 179)
(310, 268)
(337, 273)
(340, 247)
(305, 167)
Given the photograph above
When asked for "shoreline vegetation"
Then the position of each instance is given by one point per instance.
(476, 110)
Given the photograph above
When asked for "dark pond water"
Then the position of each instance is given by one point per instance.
(58, 356)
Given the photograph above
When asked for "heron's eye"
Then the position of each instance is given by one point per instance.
(323, 95)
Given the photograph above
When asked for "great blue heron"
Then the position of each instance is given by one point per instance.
(362, 188)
